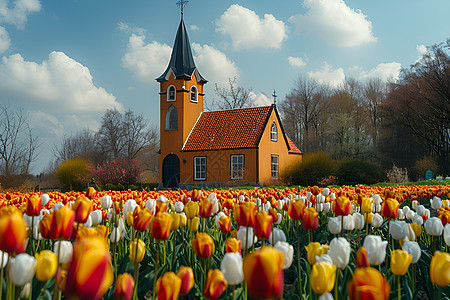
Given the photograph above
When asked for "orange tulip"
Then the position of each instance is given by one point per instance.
(263, 225)
(244, 214)
(225, 224)
(168, 286)
(61, 224)
(263, 273)
(206, 208)
(368, 283)
(44, 225)
(274, 214)
(342, 206)
(90, 273)
(389, 208)
(160, 226)
(161, 207)
(310, 219)
(187, 279)
(82, 208)
(215, 284)
(34, 205)
(296, 210)
(142, 219)
(232, 245)
(13, 233)
(203, 245)
(362, 258)
(123, 290)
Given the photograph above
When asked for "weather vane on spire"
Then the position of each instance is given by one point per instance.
(274, 95)
(181, 4)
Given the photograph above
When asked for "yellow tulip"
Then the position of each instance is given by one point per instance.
(191, 209)
(139, 256)
(47, 264)
(315, 249)
(417, 229)
(176, 220)
(440, 269)
(193, 226)
(400, 261)
(367, 205)
(323, 275)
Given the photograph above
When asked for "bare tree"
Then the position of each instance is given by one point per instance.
(80, 145)
(374, 92)
(17, 146)
(233, 97)
(111, 134)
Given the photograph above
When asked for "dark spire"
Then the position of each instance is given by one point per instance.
(274, 95)
(181, 62)
(181, 4)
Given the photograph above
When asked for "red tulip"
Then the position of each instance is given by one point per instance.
(215, 284)
(82, 208)
(263, 225)
(310, 219)
(244, 214)
(168, 286)
(225, 224)
(206, 208)
(13, 233)
(389, 208)
(368, 283)
(34, 205)
(342, 206)
(203, 245)
(232, 245)
(187, 279)
(141, 219)
(296, 210)
(61, 224)
(160, 226)
(123, 290)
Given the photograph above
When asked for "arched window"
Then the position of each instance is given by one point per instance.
(171, 93)
(273, 132)
(194, 94)
(172, 118)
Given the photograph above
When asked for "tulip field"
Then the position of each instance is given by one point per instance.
(258, 243)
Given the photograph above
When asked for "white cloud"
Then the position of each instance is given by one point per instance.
(384, 71)
(147, 62)
(354, 68)
(195, 28)
(335, 22)
(46, 121)
(260, 99)
(421, 51)
(130, 29)
(329, 76)
(214, 64)
(5, 41)
(296, 61)
(58, 84)
(18, 15)
(75, 123)
(248, 30)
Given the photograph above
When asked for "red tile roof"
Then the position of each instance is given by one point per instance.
(228, 129)
(293, 147)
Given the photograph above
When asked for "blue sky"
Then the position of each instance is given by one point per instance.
(65, 62)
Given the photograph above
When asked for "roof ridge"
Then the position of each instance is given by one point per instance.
(244, 108)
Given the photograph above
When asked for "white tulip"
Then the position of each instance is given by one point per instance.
(280, 204)
(162, 198)
(25, 292)
(217, 218)
(434, 226)
(397, 229)
(36, 233)
(241, 236)
(179, 206)
(377, 220)
(96, 216)
(241, 198)
(447, 234)
(436, 203)
(3, 259)
(325, 191)
(319, 207)
(340, 252)
(115, 235)
(280, 218)
(420, 210)
(400, 214)
(417, 219)
(128, 207)
(150, 204)
(44, 199)
(308, 196)
(326, 296)
(349, 222)
(376, 249)
(410, 234)
(405, 209)
(376, 199)
(231, 267)
(278, 236)
(332, 196)
(334, 225)
(412, 248)
(88, 222)
(327, 207)
(288, 253)
(27, 219)
(410, 214)
(359, 221)
(66, 251)
(57, 206)
(414, 204)
(22, 268)
(215, 208)
(377, 208)
(106, 202)
(324, 257)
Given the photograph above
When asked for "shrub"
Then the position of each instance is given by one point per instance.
(118, 171)
(314, 168)
(422, 166)
(73, 172)
(397, 175)
(352, 171)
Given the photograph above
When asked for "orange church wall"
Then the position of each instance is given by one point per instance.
(280, 148)
(218, 166)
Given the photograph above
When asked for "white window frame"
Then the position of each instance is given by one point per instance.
(274, 166)
(174, 93)
(194, 92)
(274, 132)
(199, 162)
(237, 163)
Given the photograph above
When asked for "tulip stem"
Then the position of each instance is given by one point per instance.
(342, 226)
(156, 271)
(1, 275)
(336, 288)
(234, 288)
(399, 288)
(298, 260)
(31, 235)
(173, 250)
(413, 277)
(55, 290)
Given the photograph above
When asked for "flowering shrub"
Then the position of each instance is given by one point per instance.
(118, 171)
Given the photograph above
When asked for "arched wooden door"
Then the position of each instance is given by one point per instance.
(171, 171)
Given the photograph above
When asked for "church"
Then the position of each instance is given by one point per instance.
(235, 147)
